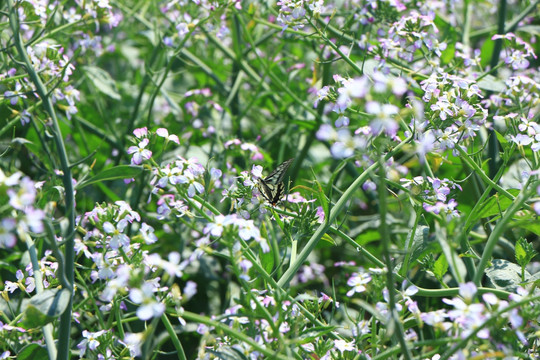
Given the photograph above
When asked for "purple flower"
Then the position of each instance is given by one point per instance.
(7, 237)
(358, 281)
(164, 133)
(24, 196)
(425, 143)
(139, 152)
(140, 132)
(150, 307)
(356, 88)
(216, 228)
(444, 106)
(383, 121)
(90, 341)
(342, 345)
(15, 94)
(117, 237)
(321, 95)
(134, 342)
(189, 178)
(147, 233)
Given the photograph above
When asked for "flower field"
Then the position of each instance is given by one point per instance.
(308, 179)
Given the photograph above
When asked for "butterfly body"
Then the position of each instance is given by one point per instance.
(272, 187)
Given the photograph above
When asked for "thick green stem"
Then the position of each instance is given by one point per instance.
(390, 284)
(65, 319)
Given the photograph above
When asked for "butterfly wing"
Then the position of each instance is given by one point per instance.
(272, 187)
(280, 190)
(276, 176)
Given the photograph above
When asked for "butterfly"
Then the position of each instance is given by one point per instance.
(272, 187)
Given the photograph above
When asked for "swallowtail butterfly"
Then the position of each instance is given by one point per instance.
(272, 187)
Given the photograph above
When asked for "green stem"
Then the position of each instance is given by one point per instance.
(331, 217)
(467, 23)
(38, 281)
(176, 342)
(493, 317)
(386, 243)
(270, 354)
(481, 173)
(65, 319)
(409, 244)
(421, 291)
(497, 232)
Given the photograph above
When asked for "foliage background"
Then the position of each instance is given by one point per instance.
(238, 88)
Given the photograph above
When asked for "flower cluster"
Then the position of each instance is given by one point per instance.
(292, 13)
(185, 20)
(245, 229)
(21, 194)
(410, 34)
(434, 194)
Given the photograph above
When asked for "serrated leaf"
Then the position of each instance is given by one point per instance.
(440, 267)
(102, 81)
(521, 254)
(524, 252)
(117, 172)
(420, 243)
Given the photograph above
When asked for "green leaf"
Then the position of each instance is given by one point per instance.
(524, 252)
(313, 333)
(455, 263)
(306, 124)
(421, 242)
(486, 52)
(267, 259)
(505, 275)
(521, 254)
(44, 307)
(32, 352)
(491, 83)
(532, 226)
(321, 196)
(368, 236)
(117, 172)
(495, 205)
(440, 267)
(501, 139)
(329, 239)
(529, 29)
(102, 81)
(448, 54)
